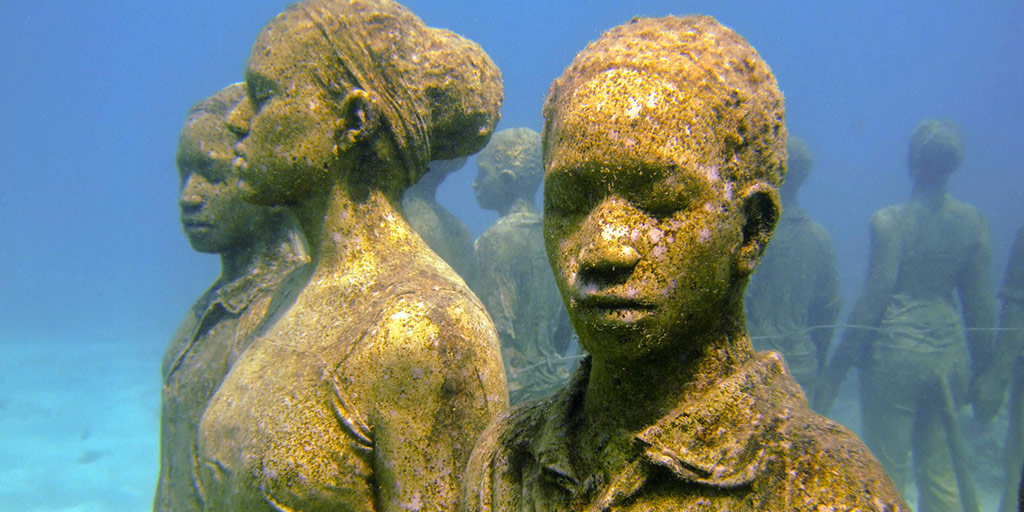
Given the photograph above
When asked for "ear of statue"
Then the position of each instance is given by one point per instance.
(759, 204)
(508, 178)
(358, 120)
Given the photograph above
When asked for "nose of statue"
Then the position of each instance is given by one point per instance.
(607, 261)
(190, 199)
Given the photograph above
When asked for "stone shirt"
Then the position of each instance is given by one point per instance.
(216, 330)
(297, 423)
(516, 285)
(795, 286)
(750, 443)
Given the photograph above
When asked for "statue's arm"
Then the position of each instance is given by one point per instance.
(825, 307)
(439, 382)
(883, 271)
(975, 290)
(988, 388)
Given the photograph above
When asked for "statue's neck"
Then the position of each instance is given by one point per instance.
(343, 231)
(425, 189)
(626, 398)
(788, 198)
(931, 193)
(517, 206)
(278, 240)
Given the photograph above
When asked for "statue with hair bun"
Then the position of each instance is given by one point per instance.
(374, 373)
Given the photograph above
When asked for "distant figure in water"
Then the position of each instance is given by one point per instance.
(515, 282)
(374, 376)
(1008, 367)
(437, 226)
(664, 142)
(258, 246)
(793, 297)
(928, 278)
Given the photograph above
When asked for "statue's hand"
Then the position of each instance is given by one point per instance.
(825, 395)
(986, 395)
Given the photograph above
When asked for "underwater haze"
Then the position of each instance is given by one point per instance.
(95, 273)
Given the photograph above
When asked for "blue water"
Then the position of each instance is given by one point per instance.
(95, 273)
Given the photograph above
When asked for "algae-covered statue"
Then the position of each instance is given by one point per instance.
(793, 297)
(258, 248)
(929, 262)
(372, 378)
(439, 228)
(1007, 367)
(664, 142)
(515, 282)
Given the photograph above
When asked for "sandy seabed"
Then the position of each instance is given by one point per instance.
(79, 422)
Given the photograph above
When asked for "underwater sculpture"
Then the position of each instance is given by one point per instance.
(1007, 367)
(912, 357)
(258, 247)
(373, 378)
(793, 297)
(664, 142)
(515, 282)
(439, 228)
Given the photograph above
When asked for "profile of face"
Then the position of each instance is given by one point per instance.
(287, 123)
(214, 215)
(798, 166)
(508, 168)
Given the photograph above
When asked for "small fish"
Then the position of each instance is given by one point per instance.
(89, 457)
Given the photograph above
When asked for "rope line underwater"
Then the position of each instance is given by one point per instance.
(562, 359)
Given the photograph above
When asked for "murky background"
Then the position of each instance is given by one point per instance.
(95, 272)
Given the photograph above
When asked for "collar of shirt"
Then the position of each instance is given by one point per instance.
(720, 440)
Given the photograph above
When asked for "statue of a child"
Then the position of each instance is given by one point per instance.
(664, 147)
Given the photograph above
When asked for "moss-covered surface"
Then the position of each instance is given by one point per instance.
(259, 247)
(664, 143)
(374, 375)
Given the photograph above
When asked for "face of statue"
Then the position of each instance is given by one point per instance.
(508, 169)
(287, 122)
(215, 217)
(644, 247)
(493, 186)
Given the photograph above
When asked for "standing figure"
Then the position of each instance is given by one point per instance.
(793, 297)
(929, 261)
(258, 248)
(664, 142)
(439, 228)
(515, 282)
(371, 381)
(1008, 366)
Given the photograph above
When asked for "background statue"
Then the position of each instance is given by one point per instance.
(906, 333)
(657, 205)
(437, 226)
(1008, 366)
(516, 283)
(793, 297)
(372, 380)
(258, 247)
